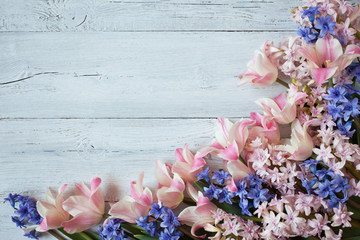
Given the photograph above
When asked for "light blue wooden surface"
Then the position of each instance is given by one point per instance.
(105, 88)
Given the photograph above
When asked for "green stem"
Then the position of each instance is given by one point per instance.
(55, 234)
(242, 160)
(352, 170)
(355, 223)
(82, 234)
(189, 201)
(357, 123)
(285, 84)
(354, 204)
(357, 34)
(331, 83)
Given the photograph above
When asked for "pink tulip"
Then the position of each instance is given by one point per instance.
(301, 143)
(229, 143)
(171, 188)
(283, 107)
(131, 208)
(227, 135)
(265, 126)
(86, 208)
(327, 58)
(51, 210)
(260, 70)
(200, 215)
(186, 165)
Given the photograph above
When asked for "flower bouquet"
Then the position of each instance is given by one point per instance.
(304, 186)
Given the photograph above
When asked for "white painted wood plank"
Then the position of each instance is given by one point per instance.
(128, 75)
(145, 15)
(37, 153)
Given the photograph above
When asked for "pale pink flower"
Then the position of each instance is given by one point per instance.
(86, 207)
(304, 202)
(260, 70)
(271, 223)
(341, 217)
(319, 224)
(186, 165)
(135, 206)
(264, 126)
(292, 219)
(228, 135)
(346, 31)
(327, 57)
(213, 229)
(262, 209)
(301, 143)
(250, 230)
(323, 153)
(171, 188)
(198, 216)
(52, 211)
(231, 226)
(283, 107)
(330, 235)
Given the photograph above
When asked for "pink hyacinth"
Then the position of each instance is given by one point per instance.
(86, 207)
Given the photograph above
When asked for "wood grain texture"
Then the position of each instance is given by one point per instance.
(146, 15)
(39, 153)
(104, 88)
(128, 75)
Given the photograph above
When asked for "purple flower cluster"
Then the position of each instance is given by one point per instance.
(318, 26)
(26, 213)
(162, 222)
(333, 188)
(112, 230)
(251, 193)
(342, 105)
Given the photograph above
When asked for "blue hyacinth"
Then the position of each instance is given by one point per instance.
(325, 183)
(160, 222)
(308, 34)
(325, 25)
(310, 13)
(112, 230)
(343, 106)
(26, 213)
(204, 174)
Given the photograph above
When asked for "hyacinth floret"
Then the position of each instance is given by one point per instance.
(27, 214)
(160, 222)
(325, 25)
(325, 183)
(204, 175)
(112, 230)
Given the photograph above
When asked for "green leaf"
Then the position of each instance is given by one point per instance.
(351, 233)
(144, 237)
(95, 236)
(77, 236)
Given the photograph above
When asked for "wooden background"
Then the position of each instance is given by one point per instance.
(104, 88)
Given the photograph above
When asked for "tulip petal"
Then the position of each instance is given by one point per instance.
(81, 222)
